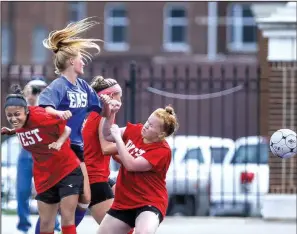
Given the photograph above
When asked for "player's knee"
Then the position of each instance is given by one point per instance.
(67, 218)
(46, 224)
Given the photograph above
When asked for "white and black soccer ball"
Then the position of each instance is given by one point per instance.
(283, 143)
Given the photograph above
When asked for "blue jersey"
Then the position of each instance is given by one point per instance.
(80, 99)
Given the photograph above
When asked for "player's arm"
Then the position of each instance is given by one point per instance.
(107, 123)
(7, 131)
(108, 148)
(62, 114)
(61, 140)
(50, 98)
(129, 162)
(51, 110)
(64, 135)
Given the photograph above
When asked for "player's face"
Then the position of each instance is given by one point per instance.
(78, 64)
(16, 116)
(152, 130)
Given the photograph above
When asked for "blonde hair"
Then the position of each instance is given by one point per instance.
(170, 123)
(67, 44)
(98, 83)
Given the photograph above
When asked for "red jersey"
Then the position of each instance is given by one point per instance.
(136, 189)
(49, 165)
(97, 164)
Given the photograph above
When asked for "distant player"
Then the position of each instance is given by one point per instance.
(57, 175)
(141, 197)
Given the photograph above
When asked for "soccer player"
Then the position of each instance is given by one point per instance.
(141, 197)
(57, 175)
(97, 151)
(69, 96)
(25, 163)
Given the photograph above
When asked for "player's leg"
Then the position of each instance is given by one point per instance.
(112, 184)
(57, 225)
(101, 200)
(48, 205)
(116, 222)
(69, 189)
(148, 219)
(47, 213)
(23, 189)
(67, 210)
(85, 196)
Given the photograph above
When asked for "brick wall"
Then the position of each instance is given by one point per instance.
(278, 110)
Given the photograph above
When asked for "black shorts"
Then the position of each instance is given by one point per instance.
(129, 216)
(111, 182)
(100, 192)
(71, 184)
(79, 151)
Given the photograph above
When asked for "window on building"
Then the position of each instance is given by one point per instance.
(175, 28)
(116, 28)
(5, 45)
(77, 11)
(242, 29)
(39, 53)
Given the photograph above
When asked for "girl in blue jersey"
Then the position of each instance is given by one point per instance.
(70, 97)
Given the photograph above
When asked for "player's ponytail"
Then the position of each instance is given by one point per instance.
(66, 43)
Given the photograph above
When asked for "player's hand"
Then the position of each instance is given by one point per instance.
(115, 131)
(114, 106)
(55, 145)
(65, 114)
(105, 99)
(7, 131)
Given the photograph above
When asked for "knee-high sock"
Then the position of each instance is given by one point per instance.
(69, 229)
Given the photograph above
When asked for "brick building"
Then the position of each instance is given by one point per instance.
(278, 62)
(197, 31)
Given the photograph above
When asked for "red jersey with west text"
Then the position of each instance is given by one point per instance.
(97, 164)
(136, 189)
(49, 165)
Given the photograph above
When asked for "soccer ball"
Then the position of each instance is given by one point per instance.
(283, 143)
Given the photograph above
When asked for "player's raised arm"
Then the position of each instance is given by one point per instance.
(114, 107)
